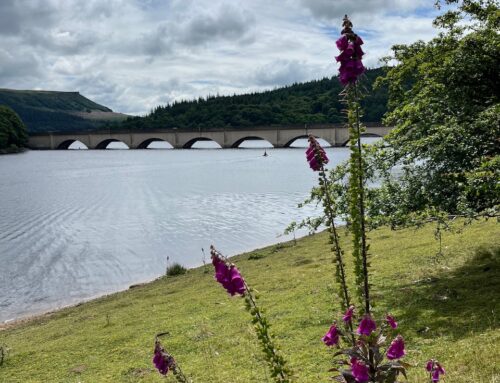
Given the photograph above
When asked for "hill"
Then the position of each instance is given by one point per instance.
(57, 111)
(311, 102)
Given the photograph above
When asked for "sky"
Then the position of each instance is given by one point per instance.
(132, 55)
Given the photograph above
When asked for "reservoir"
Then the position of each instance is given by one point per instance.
(76, 224)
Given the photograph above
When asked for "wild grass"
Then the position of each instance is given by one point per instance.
(447, 308)
(176, 269)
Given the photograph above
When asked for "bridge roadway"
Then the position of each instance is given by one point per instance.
(278, 136)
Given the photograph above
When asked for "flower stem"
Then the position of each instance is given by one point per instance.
(328, 205)
(364, 250)
(276, 362)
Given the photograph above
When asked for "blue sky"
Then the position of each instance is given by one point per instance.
(132, 55)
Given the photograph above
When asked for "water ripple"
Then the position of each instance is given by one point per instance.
(74, 225)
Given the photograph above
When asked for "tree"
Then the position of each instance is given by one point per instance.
(444, 106)
(12, 130)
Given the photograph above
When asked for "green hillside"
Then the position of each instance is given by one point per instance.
(447, 308)
(306, 103)
(57, 111)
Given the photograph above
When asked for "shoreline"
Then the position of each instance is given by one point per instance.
(29, 317)
(10, 323)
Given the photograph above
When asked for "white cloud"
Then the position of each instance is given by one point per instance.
(132, 55)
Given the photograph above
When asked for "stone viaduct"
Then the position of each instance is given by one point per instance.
(278, 136)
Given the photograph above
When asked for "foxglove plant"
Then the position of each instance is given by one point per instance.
(435, 370)
(230, 278)
(165, 362)
(350, 69)
(366, 360)
(367, 355)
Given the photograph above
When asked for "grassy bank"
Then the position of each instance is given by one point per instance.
(447, 309)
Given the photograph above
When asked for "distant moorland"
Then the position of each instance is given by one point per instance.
(43, 111)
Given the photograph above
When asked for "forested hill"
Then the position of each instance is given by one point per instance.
(311, 102)
(57, 111)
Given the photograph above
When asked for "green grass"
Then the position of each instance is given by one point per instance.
(447, 308)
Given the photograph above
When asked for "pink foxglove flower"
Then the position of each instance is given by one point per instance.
(162, 360)
(228, 276)
(435, 369)
(430, 365)
(331, 338)
(359, 371)
(237, 284)
(350, 56)
(392, 322)
(367, 325)
(397, 348)
(348, 314)
(315, 154)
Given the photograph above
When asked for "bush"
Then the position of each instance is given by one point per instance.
(176, 269)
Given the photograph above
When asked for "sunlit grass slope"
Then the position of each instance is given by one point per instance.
(447, 308)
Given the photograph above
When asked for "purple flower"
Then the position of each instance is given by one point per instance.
(162, 361)
(228, 276)
(397, 348)
(342, 43)
(392, 322)
(221, 270)
(315, 154)
(435, 369)
(350, 56)
(360, 371)
(367, 325)
(430, 365)
(350, 70)
(348, 314)
(331, 338)
(237, 284)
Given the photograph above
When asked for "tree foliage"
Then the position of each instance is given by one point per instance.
(12, 130)
(444, 105)
(306, 103)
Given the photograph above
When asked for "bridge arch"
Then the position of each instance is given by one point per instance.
(363, 135)
(104, 144)
(304, 136)
(238, 142)
(189, 144)
(144, 144)
(67, 143)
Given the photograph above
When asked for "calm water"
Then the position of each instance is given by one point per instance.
(76, 224)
